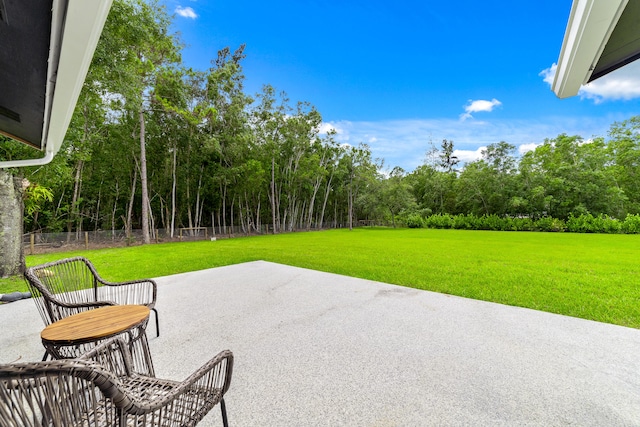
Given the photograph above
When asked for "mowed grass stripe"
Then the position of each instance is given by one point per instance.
(591, 276)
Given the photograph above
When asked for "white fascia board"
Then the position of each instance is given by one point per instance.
(75, 30)
(590, 25)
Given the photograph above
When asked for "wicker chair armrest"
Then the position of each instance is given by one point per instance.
(89, 305)
(149, 282)
(108, 283)
(216, 373)
(143, 292)
(212, 377)
(112, 354)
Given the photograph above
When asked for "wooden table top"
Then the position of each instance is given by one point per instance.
(95, 324)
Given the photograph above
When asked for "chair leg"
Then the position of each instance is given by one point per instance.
(223, 408)
(157, 322)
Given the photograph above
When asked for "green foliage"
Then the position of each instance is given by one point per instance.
(447, 159)
(415, 221)
(508, 223)
(34, 196)
(631, 224)
(14, 150)
(549, 224)
(439, 221)
(216, 155)
(587, 223)
(523, 224)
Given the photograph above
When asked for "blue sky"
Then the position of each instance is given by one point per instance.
(399, 74)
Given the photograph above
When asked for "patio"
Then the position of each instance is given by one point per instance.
(314, 348)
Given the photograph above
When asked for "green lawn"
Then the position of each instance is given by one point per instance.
(593, 276)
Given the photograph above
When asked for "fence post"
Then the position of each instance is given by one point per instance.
(156, 235)
(86, 240)
(32, 242)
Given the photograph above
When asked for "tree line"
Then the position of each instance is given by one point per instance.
(563, 177)
(156, 144)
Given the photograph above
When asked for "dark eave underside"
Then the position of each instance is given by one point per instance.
(623, 46)
(25, 32)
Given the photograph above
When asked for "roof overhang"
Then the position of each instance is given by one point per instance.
(46, 50)
(601, 36)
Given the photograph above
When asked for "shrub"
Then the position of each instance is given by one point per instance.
(579, 224)
(415, 221)
(426, 212)
(631, 224)
(523, 224)
(499, 223)
(549, 224)
(464, 222)
(583, 223)
(587, 223)
(612, 225)
(439, 221)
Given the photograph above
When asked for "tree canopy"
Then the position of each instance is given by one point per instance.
(155, 144)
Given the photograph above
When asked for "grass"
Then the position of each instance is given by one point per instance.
(592, 276)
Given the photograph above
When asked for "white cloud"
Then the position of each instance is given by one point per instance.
(548, 74)
(186, 12)
(525, 148)
(585, 141)
(622, 84)
(326, 127)
(479, 106)
(405, 143)
(467, 156)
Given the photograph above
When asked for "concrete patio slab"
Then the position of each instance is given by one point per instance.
(315, 349)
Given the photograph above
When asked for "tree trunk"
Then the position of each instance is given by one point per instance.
(144, 183)
(273, 194)
(11, 211)
(75, 212)
(129, 218)
(198, 215)
(114, 210)
(97, 217)
(173, 191)
(189, 214)
(223, 193)
(233, 202)
(326, 198)
(350, 208)
(312, 202)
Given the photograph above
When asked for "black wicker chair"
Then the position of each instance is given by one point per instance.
(73, 285)
(100, 389)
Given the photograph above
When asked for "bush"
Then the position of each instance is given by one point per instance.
(583, 223)
(612, 225)
(631, 224)
(549, 224)
(464, 222)
(523, 224)
(579, 224)
(415, 221)
(587, 223)
(495, 222)
(439, 221)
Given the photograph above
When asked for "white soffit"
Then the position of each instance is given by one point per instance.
(76, 26)
(590, 25)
